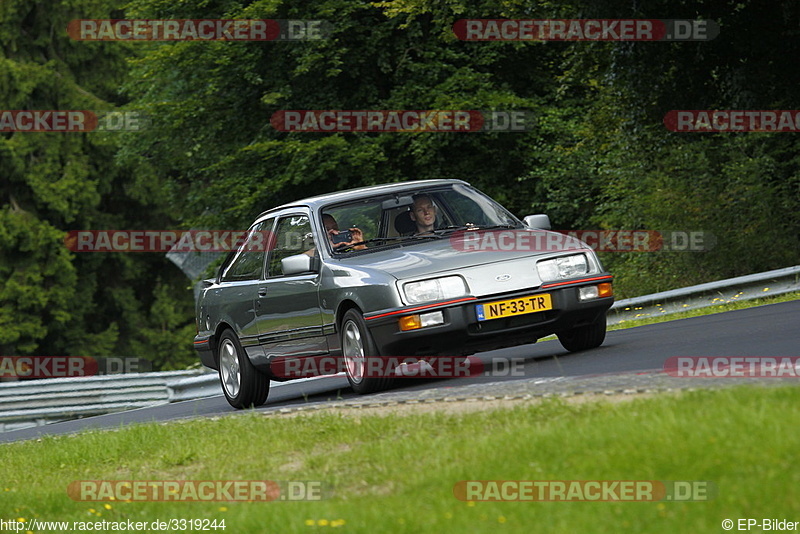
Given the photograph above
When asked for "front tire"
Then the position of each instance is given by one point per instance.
(242, 384)
(358, 348)
(584, 337)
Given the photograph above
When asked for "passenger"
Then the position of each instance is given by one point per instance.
(332, 229)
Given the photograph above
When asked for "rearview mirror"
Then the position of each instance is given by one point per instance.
(396, 202)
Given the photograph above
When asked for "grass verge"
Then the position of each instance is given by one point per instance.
(397, 473)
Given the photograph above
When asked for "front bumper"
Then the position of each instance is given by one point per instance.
(204, 345)
(462, 333)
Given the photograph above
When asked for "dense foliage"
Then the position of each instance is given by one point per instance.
(599, 156)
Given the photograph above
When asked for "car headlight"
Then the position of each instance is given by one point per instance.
(447, 287)
(563, 267)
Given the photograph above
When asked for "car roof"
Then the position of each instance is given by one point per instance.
(331, 198)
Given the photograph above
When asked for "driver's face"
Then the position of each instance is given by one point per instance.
(424, 211)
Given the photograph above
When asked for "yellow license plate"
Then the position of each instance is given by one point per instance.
(511, 307)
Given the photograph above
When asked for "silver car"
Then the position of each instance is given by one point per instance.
(422, 269)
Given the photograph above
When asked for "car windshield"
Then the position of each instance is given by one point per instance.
(411, 216)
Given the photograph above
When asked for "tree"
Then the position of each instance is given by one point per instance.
(53, 301)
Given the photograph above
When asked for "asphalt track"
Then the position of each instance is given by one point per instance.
(771, 330)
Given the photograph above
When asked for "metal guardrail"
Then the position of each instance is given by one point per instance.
(200, 386)
(38, 402)
(751, 286)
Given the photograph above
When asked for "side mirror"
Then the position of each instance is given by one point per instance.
(537, 222)
(299, 263)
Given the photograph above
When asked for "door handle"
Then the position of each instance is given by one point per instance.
(262, 291)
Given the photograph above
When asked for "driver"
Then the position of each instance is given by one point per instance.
(423, 212)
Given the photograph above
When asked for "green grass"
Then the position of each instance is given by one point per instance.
(396, 473)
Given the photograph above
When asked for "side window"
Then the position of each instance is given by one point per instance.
(292, 236)
(248, 262)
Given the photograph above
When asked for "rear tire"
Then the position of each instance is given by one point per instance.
(358, 348)
(584, 337)
(242, 384)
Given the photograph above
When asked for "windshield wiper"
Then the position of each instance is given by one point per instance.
(496, 226)
(454, 229)
(450, 229)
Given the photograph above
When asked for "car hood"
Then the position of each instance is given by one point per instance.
(474, 254)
